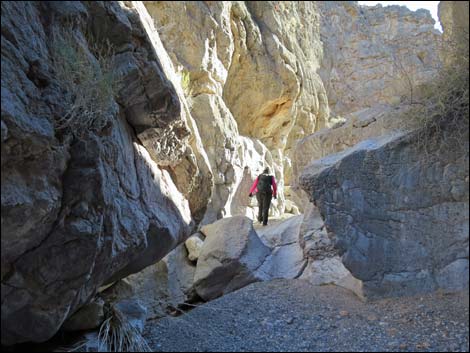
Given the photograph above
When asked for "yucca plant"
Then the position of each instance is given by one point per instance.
(118, 334)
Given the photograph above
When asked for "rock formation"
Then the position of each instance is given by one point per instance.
(386, 201)
(194, 100)
(360, 125)
(160, 287)
(287, 258)
(375, 55)
(455, 23)
(230, 257)
(253, 86)
(401, 220)
(80, 211)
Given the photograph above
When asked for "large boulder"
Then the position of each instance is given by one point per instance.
(86, 207)
(399, 212)
(360, 125)
(287, 258)
(230, 257)
(163, 286)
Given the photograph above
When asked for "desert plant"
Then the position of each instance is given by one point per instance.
(83, 70)
(186, 82)
(186, 86)
(440, 111)
(116, 334)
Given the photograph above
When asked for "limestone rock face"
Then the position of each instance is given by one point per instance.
(400, 219)
(252, 74)
(79, 212)
(230, 256)
(453, 16)
(282, 40)
(374, 55)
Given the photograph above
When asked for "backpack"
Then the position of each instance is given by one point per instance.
(264, 183)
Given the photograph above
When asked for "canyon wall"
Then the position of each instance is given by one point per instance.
(202, 97)
(91, 194)
(252, 83)
(396, 201)
(375, 55)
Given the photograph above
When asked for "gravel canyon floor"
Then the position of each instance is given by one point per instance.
(293, 315)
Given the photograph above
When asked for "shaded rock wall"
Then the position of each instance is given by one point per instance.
(78, 212)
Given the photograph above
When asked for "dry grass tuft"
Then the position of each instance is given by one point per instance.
(440, 110)
(83, 68)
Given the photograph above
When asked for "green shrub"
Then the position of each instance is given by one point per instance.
(186, 82)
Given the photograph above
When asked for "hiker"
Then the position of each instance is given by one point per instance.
(262, 188)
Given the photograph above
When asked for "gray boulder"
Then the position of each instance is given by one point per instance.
(133, 311)
(286, 259)
(230, 256)
(399, 213)
(163, 286)
(81, 212)
(88, 317)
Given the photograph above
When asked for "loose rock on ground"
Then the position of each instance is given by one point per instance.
(293, 315)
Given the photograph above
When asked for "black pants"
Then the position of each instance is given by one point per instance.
(264, 201)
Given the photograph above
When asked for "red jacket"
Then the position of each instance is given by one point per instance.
(255, 184)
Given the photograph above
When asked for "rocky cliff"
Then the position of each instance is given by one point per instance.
(455, 23)
(127, 125)
(395, 201)
(252, 84)
(375, 55)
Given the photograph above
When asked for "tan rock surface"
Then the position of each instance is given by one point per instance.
(373, 54)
